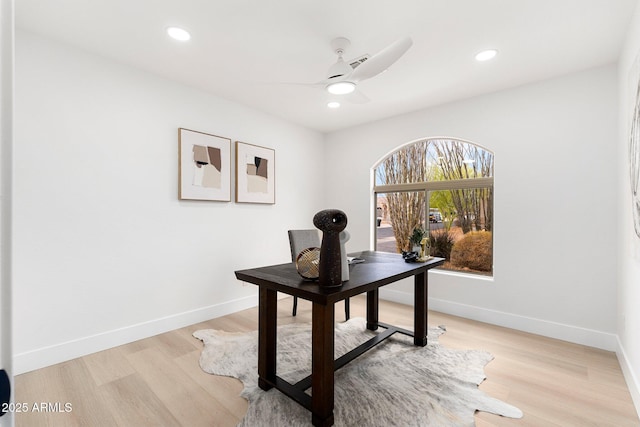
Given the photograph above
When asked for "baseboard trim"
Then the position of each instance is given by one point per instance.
(574, 334)
(632, 381)
(51, 355)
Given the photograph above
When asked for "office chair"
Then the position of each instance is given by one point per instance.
(303, 239)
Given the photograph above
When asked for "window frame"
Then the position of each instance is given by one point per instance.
(428, 187)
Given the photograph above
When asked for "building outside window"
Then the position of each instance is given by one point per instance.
(440, 188)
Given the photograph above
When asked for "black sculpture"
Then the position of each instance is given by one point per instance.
(331, 222)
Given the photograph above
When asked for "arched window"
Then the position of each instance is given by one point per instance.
(440, 189)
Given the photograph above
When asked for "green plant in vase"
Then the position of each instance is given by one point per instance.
(416, 239)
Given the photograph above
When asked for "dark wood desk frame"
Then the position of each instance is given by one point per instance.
(379, 269)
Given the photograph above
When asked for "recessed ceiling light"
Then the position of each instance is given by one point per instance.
(486, 55)
(341, 88)
(333, 104)
(178, 34)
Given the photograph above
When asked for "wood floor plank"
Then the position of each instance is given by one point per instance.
(185, 399)
(66, 383)
(109, 365)
(225, 390)
(124, 395)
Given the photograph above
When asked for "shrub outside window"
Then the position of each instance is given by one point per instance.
(443, 187)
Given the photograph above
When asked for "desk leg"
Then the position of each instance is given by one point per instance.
(372, 310)
(420, 295)
(267, 324)
(322, 385)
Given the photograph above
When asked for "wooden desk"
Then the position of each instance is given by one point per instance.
(379, 269)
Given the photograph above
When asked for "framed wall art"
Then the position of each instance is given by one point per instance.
(204, 169)
(634, 143)
(255, 174)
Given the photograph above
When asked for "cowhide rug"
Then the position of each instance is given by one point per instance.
(393, 384)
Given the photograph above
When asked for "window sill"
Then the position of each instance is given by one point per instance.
(462, 275)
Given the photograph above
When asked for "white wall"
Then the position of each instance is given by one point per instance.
(555, 198)
(104, 251)
(628, 320)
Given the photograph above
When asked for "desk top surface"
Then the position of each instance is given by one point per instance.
(379, 269)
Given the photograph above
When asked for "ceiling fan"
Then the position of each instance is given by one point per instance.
(343, 77)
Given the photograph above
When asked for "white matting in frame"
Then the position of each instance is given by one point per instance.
(204, 166)
(255, 174)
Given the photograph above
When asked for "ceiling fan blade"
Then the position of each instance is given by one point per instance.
(357, 97)
(381, 60)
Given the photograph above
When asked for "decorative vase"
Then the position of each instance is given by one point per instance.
(426, 251)
(331, 222)
(425, 246)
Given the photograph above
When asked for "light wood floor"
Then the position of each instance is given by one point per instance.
(157, 381)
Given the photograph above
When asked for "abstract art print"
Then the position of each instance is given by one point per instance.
(255, 174)
(204, 166)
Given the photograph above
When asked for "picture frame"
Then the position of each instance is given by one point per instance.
(634, 162)
(255, 174)
(204, 166)
(634, 142)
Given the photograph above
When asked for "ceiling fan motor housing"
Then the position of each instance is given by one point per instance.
(339, 69)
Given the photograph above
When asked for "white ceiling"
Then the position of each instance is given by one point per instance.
(241, 49)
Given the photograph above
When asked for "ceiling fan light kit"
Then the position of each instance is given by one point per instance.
(341, 88)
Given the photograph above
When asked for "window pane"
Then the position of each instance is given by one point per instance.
(435, 160)
(460, 224)
(453, 159)
(398, 215)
